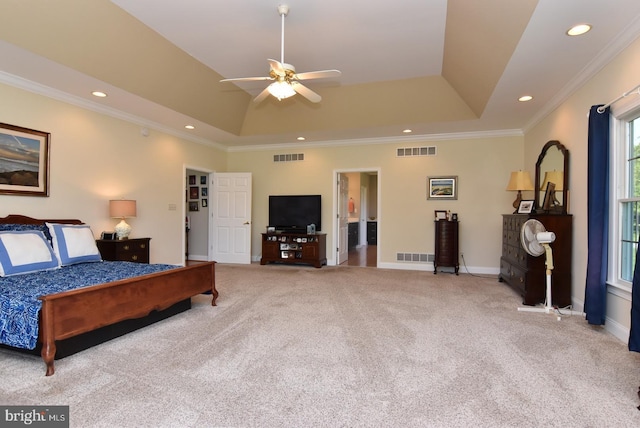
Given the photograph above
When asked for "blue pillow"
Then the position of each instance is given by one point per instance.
(24, 252)
(20, 226)
(73, 243)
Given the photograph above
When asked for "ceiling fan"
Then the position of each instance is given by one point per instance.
(286, 82)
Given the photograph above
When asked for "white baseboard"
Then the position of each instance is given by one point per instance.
(618, 330)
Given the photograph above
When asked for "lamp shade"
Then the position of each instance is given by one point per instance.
(520, 180)
(122, 208)
(555, 177)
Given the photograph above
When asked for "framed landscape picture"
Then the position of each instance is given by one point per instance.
(442, 187)
(24, 161)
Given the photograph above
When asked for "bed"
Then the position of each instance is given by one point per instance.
(67, 314)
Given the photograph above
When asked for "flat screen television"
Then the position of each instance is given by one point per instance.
(293, 213)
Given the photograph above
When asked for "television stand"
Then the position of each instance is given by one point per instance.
(294, 248)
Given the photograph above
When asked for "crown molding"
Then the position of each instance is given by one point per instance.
(47, 91)
(627, 36)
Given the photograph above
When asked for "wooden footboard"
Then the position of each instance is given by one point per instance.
(78, 311)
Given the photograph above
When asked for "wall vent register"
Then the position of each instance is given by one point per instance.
(290, 157)
(416, 151)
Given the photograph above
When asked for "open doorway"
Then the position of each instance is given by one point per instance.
(196, 209)
(357, 217)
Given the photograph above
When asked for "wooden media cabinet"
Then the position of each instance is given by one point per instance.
(294, 248)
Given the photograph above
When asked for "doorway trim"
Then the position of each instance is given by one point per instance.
(335, 213)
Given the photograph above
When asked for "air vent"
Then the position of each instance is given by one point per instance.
(289, 157)
(415, 257)
(416, 151)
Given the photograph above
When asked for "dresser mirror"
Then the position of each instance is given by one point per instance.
(552, 179)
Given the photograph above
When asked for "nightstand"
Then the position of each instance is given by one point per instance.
(126, 250)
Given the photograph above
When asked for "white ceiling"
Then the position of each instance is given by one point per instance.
(368, 41)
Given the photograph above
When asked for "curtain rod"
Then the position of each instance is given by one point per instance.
(601, 109)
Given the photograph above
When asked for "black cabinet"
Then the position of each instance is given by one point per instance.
(372, 232)
(446, 251)
(353, 235)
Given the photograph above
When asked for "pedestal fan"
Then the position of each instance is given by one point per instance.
(535, 240)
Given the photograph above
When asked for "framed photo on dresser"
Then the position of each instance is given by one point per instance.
(525, 207)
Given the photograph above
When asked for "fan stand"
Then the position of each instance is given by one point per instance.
(548, 306)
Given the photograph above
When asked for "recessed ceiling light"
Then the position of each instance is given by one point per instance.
(407, 131)
(301, 138)
(98, 94)
(525, 98)
(579, 29)
(190, 127)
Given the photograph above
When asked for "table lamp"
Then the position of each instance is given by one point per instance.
(122, 208)
(519, 181)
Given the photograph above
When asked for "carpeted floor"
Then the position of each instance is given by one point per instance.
(294, 346)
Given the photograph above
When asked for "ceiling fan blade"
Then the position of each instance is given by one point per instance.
(306, 92)
(322, 74)
(262, 95)
(246, 79)
(277, 67)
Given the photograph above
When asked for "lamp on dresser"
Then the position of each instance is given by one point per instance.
(122, 208)
(519, 181)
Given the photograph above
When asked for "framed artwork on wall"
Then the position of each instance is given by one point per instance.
(192, 180)
(193, 206)
(442, 187)
(24, 161)
(194, 192)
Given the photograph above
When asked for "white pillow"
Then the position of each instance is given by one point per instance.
(73, 243)
(24, 252)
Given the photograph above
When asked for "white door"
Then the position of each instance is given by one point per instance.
(231, 217)
(343, 219)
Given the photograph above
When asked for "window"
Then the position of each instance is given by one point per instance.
(628, 166)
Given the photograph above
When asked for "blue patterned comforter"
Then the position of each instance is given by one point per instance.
(19, 304)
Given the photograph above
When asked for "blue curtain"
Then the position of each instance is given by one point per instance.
(595, 299)
(634, 334)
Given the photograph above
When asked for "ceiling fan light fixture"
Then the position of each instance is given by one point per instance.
(281, 90)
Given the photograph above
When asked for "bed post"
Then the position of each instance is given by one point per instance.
(214, 292)
(48, 341)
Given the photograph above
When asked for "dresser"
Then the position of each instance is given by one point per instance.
(527, 274)
(446, 245)
(126, 250)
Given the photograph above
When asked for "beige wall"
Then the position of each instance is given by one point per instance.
(95, 158)
(405, 216)
(568, 124)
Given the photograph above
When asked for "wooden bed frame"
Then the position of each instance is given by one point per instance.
(74, 312)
